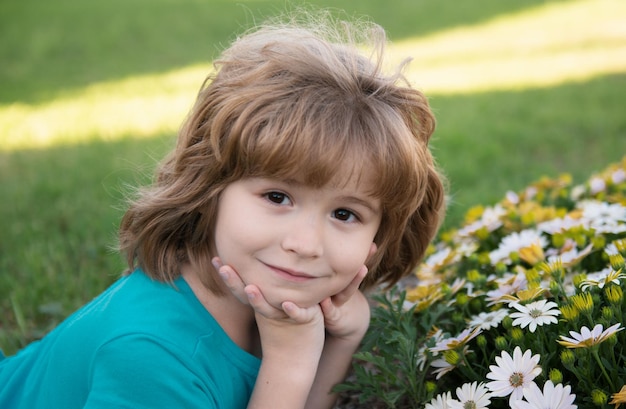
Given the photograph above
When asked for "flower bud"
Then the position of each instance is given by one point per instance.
(580, 239)
(482, 233)
(461, 299)
(483, 258)
(578, 279)
(501, 343)
(532, 254)
(532, 275)
(558, 240)
(517, 334)
(452, 357)
(617, 261)
(555, 288)
(598, 397)
(431, 387)
(598, 242)
(569, 312)
(477, 305)
(567, 358)
(507, 322)
(481, 341)
(500, 268)
(614, 294)
(476, 277)
(458, 317)
(583, 302)
(556, 376)
(607, 313)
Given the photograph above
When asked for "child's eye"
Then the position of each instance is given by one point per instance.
(277, 198)
(345, 215)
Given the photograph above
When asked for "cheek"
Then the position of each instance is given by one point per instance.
(349, 258)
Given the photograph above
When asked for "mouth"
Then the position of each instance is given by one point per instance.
(289, 274)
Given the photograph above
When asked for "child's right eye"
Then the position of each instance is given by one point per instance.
(277, 198)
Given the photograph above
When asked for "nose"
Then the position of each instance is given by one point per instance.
(304, 237)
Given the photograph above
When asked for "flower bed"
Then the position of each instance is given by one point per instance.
(521, 307)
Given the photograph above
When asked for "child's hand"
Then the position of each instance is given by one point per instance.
(281, 330)
(347, 313)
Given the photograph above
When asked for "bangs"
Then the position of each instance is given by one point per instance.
(327, 142)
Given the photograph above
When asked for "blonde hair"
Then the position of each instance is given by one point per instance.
(293, 101)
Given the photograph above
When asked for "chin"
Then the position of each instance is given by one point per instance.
(275, 299)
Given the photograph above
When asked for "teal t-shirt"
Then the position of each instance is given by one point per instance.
(140, 344)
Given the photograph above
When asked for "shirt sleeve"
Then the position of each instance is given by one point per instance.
(139, 371)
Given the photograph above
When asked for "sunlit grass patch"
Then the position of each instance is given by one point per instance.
(542, 46)
(140, 106)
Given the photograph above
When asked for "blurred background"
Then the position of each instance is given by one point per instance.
(92, 94)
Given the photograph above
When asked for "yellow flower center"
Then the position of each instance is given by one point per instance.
(516, 380)
(470, 404)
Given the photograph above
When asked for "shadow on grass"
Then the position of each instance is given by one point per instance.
(72, 43)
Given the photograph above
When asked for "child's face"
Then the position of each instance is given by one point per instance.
(296, 243)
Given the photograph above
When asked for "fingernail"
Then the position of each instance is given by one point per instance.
(223, 274)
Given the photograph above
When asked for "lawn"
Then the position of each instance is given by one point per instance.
(93, 92)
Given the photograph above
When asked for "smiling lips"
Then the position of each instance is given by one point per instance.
(290, 275)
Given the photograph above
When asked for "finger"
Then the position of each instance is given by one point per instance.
(260, 304)
(330, 311)
(344, 295)
(231, 279)
(301, 315)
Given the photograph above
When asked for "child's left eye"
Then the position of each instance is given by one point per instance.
(345, 215)
(277, 197)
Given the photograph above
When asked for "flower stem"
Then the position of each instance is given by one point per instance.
(594, 352)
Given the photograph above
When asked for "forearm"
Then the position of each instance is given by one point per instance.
(333, 368)
(284, 381)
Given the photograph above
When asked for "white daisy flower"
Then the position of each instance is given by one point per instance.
(441, 401)
(597, 185)
(471, 395)
(512, 197)
(454, 342)
(604, 217)
(489, 220)
(618, 176)
(552, 397)
(535, 313)
(423, 354)
(601, 278)
(588, 338)
(443, 367)
(611, 250)
(530, 193)
(513, 373)
(571, 255)
(488, 320)
(577, 192)
(515, 241)
(559, 225)
(507, 285)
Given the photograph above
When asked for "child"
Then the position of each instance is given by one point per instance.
(301, 178)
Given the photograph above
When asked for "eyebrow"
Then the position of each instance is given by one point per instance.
(357, 200)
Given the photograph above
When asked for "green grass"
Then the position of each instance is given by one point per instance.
(92, 96)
